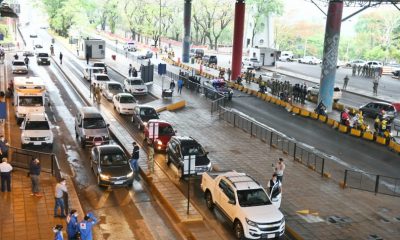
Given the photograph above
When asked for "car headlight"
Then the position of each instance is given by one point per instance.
(145, 124)
(104, 177)
(158, 142)
(209, 165)
(87, 137)
(251, 223)
(47, 138)
(27, 138)
(129, 175)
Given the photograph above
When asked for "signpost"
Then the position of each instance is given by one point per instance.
(189, 166)
(153, 131)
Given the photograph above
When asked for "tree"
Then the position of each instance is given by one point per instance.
(260, 10)
(112, 14)
(134, 14)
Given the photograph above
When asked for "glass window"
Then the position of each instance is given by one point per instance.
(136, 82)
(102, 78)
(166, 131)
(31, 101)
(127, 99)
(113, 159)
(37, 125)
(94, 123)
(100, 46)
(252, 197)
(18, 63)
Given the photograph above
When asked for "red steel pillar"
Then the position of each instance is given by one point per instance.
(238, 31)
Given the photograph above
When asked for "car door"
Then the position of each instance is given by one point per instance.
(78, 125)
(177, 155)
(95, 158)
(226, 199)
(116, 101)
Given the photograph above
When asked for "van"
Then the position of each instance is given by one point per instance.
(35, 131)
(162, 136)
(90, 127)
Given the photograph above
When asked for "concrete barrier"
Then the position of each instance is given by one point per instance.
(335, 124)
(176, 106)
(322, 118)
(273, 100)
(330, 121)
(380, 140)
(314, 115)
(304, 112)
(268, 98)
(343, 128)
(355, 132)
(296, 110)
(284, 104)
(368, 135)
(278, 101)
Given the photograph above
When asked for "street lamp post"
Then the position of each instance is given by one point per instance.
(159, 33)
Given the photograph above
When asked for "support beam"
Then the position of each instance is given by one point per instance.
(331, 47)
(358, 11)
(238, 32)
(187, 16)
(318, 7)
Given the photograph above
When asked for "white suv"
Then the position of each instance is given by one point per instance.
(36, 131)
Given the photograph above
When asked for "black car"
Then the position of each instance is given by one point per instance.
(396, 73)
(142, 114)
(111, 166)
(208, 60)
(43, 59)
(147, 55)
(216, 88)
(180, 148)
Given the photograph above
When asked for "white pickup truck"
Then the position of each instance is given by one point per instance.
(245, 203)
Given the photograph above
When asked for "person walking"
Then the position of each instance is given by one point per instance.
(3, 147)
(279, 169)
(61, 188)
(86, 226)
(26, 61)
(5, 172)
(98, 93)
(130, 70)
(150, 159)
(52, 50)
(359, 70)
(134, 72)
(72, 225)
(135, 158)
(274, 186)
(61, 57)
(34, 172)
(229, 72)
(180, 85)
(375, 87)
(345, 82)
(87, 58)
(58, 235)
(172, 85)
(354, 70)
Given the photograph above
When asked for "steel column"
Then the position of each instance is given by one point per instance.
(187, 16)
(238, 32)
(331, 47)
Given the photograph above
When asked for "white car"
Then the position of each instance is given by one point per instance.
(310, 60)
(357, 62)
(135, 85)
(314, 91)
(252, 62)
(286, 56)
(19, 66)
(124, 103)
(112, 88)
(100, 79)
(89, 72)
(130, 47)
(35, 130)
(374, 64)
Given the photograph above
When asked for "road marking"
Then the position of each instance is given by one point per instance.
(309, 216)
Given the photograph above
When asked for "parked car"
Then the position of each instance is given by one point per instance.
(196, 53)
(19, 66)
(357, 62)
(372, 109)
(130, 47)
(164, 134)
(286, 56)
(252, 62)
(396, 73)
(142, 114)
(374, 64)
(180, 148)
(310, 60)
(145, 55)
(244, 203)
(135, 85)
(89, 72)
(111, 88)
(212, 87)
(314, 91)
(100, 79)
(100, 65)
(124, 103)
(90, 127)
(36, 131)
(110, 165)
(210, 59)
(43, 58)
(33, 35)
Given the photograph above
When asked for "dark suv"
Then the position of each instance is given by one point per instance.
(142, 114)
(180, 148)
(208, 60)
(43, 58)
(372, 109)
(111, 166)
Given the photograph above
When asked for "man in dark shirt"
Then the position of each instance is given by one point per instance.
(34, 172)
(135, 158)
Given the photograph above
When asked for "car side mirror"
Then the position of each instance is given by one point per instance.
(231, 201)
(108, 125)
(207, 153)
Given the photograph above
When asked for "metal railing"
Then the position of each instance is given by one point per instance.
(21, 158)
(372, 182)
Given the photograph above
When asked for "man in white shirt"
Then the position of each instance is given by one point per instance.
(279, 170)
(5, 172)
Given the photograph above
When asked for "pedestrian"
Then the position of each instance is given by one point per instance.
(3, 147)
(52, 50)
(98, 93)
(61, 57)
(86, 226)
(77, 52)
(16, 56)
(134, 72)
(135, 158)
(87, 58)
(58, 235)
(60, 189)
(26, 61)
(354, 70)
(229, 72)
(34, 172)
(172, 85)
(180, 85)
(274, 186)
(345, 82)
(375, 87)
(377, 124)
(279, 169)
(130, 70)
(359, 70)
(5, 172)
(156, 54)
(72, 225)
(150, 160)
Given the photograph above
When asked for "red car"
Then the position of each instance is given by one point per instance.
(397, 107)
(165, 132)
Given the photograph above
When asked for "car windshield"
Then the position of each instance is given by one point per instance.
(43, 55)
(252, 197)
(30, 101)
(117, 158)
(97, 70)
(102, 78)
(37, 125)
(135, 82)
(127, 99)
(18, 63)
(166, 131)
(93, 123)
(114, 87)
(253, 60)
(150, 112)
(98, 65)
(192, 150)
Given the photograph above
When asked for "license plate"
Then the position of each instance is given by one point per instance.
(37, 143)
(119, 182)
(271, 235)
(97, 143)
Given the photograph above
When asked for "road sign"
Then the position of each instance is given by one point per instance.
(162, 69)
(189, 164)
(1, 37)
(153, 130)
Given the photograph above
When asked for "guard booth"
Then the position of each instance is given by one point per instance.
(266, 56)
(95, 48)
(147, 73)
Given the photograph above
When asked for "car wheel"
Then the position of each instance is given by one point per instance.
(209, 200)
(239, 233)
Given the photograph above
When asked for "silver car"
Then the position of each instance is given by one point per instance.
(90, 127)
(112, 88)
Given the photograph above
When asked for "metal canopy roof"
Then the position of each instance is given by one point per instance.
(362, 3)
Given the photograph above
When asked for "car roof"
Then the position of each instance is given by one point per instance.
(125, 95)
(100, 74)
(110, 148)
(241, 181)
(381, 103)
(133, 78)
(90, 112)
(113, 83)
(184, 139)
(36, 117)
(145, 106)
(161, 122)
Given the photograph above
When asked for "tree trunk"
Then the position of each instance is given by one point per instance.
(216, 43)
(210, 41)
